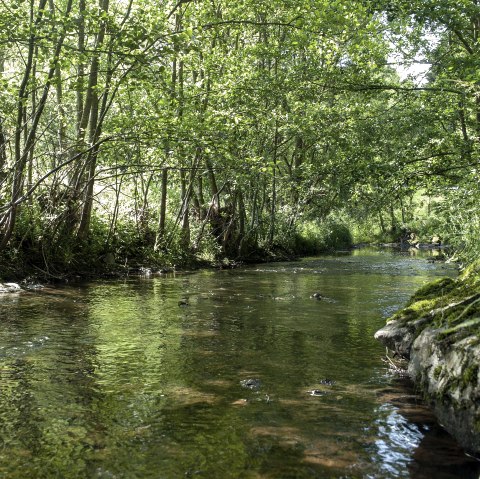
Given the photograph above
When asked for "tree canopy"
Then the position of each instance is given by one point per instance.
(222, 128)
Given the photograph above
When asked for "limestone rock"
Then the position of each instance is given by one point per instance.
(439, 332)
(9, 288)
(398, 335)
(448, 371)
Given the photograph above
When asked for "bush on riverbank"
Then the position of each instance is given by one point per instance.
(56, 253)
(319, 237)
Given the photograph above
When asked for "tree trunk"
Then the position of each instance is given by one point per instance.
(382, 222)
(273, 205)
(163, 210)
(3, 140)
(23, 147)
(185, 214)
(90, 117)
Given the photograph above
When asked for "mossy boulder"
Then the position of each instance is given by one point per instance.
(434, 290)
(439, 332)
(449, 376)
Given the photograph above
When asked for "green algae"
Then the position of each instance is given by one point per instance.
(470, 375)
(437, 372)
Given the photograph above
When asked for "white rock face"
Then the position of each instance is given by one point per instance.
(448, 372)
(399, 335)
(9, 288)
(446, 367)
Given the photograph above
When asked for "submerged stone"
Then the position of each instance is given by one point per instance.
(253, 384)
(327, 382)
(317, 392)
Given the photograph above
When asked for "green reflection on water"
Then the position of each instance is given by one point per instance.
(115, 379)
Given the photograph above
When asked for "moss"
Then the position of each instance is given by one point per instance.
(470, 375)
(405, 315)
(464, 327)
(434, 290)
(437, 372)
(472, 271)
(477, 424)
(414, 311)
(437, 303)
(423, 305)
(475, 342)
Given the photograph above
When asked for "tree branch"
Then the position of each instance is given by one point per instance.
(34, 187)
(464, 42)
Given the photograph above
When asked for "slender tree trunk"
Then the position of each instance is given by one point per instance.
(228, 244)
(477, 102)
(392, 218)
(463, 122)
(254, 217)
(273, 205)
(185, 214)
(32, 113)
(81, 65)
(402, 207)
(201, 199)
(3, 139)
(90, 117)
(163, 210)
(22, 149)
(242, 216)
(113, 222)
(382, 222)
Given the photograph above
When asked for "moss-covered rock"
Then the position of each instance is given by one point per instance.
(449, 378)
(439, 332)
(434, 290)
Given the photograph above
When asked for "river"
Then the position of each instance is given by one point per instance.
(219, 374)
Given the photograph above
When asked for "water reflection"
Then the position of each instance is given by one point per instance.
(420, 445)
(115, 379)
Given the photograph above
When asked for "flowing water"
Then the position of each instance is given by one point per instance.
(218, 374)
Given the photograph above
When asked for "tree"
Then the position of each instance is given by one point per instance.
(189, 123)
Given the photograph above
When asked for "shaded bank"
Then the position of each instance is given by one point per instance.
(438, 332)
(93, 259)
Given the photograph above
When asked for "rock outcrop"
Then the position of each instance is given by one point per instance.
(9, 288)
(439, 333)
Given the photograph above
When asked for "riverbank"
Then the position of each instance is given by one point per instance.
(31, 270)
(438, 332)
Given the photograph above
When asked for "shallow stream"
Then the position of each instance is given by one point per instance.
(219, 374)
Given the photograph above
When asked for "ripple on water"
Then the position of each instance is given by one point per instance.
(113, 379)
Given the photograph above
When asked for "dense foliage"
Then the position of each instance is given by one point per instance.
(169, 130)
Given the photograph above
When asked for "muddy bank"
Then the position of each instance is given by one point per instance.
(439, 333)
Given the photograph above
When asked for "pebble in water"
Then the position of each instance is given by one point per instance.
(253, 384)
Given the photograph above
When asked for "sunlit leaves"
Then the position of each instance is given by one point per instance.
(272, 99)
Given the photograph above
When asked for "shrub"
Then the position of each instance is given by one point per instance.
(317, 237)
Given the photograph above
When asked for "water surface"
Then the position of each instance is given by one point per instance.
(248, 377)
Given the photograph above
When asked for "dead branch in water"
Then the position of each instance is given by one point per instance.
(398, 367)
